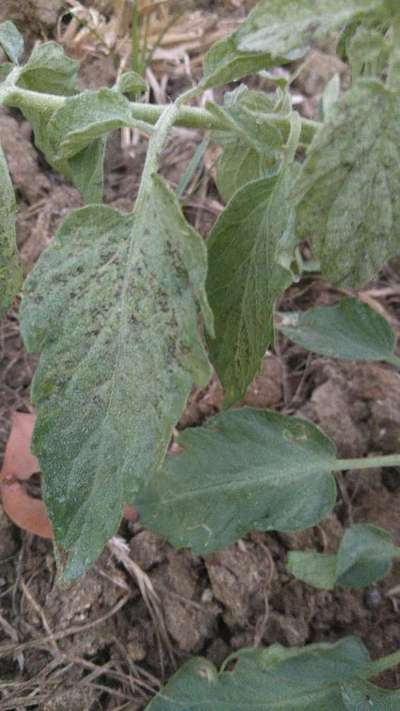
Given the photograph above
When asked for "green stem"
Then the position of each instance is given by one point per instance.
(388, 460)
(187, 116)
(393, 360)
(388, 662)
(135, 38)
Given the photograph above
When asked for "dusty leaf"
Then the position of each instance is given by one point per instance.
(253, 143)
(314, 678)
(10, 267)
(49, 70)
(348, 190)
(85, 117)
(244, 470)
(11, 41)
(246, 276)
(113, 306)
(276, 32)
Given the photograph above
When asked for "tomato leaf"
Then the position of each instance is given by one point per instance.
(244, 470)
(49, 70)
(365, 555)
(11, 41)
(86, 117)
(316, 677)
(350, 183)
(276, 32)
(349, 330)
(246, 277)
(10, 267)
(112, 305)
(131, 83)
(253, 142)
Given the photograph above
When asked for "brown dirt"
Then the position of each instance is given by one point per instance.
(115, 636)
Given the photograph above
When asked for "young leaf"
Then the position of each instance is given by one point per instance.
(131, 84)
(314, 678)
(112, 304)
(244, 470)
(253, 143)
(10, 268)
(85, 117)
(350, 183)
(365, 555)
(48, 70)
(316, 569)
(245, 278)
(349, 330)
(11, 41)
(276, 32)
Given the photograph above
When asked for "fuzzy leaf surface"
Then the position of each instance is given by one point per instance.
(253, 143)
(10, 268)
(276, 32)
(350, 329)
(112, 305)
(86, 117)
(246, 277)
(365, 555)
(316, 677)
(11, 41)
(244, 470)
(348, 190)
(49, 70)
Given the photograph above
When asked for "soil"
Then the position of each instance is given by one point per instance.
(111, 640)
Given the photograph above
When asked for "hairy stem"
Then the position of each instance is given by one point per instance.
(388, 662)
(190, 117)
(389, 460)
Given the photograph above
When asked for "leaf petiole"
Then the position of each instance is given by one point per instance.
(389, 460)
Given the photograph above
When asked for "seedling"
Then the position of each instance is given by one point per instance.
(118, 304)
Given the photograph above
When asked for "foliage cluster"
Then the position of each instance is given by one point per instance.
(129, 311)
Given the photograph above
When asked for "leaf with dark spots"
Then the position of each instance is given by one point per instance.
(113, 386)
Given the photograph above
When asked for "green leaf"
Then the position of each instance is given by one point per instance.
(349, 330)
(349, 187)
(364, 697)
(131, 83)
(112, 304)
(244, 470)
(254, 145)
(276, 32)
(365, 555)
(5, 69)
(225, 63)
(10, 268)
(314, 568)
(246, 277)
(11, 41)
(48, 70)
(85, 117)
(368, 52)
(87, 171)
(330, 96)
(314, 678)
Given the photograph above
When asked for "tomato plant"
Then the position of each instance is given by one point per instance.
(129, 312)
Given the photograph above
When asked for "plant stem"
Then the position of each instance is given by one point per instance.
(135, 38)
(388, 460)
(388, 662)
(393, 360)
(188, 116)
